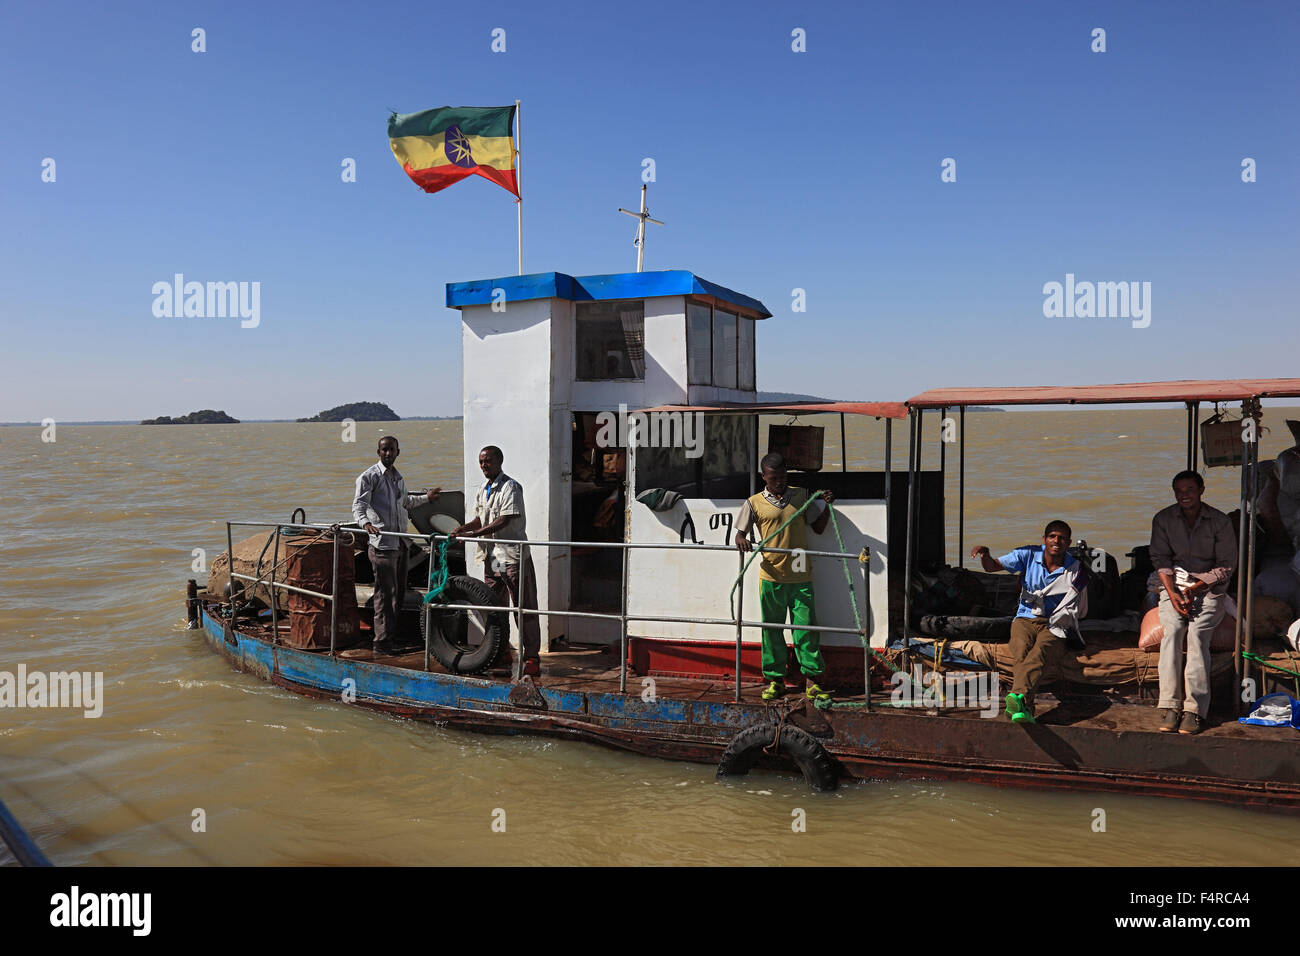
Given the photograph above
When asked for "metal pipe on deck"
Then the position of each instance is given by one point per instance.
(230, 554)
(657, 618)
(282, 586)
(275, 563)
(622, 639)
(520, 612)
(655, 545)
(427, 612)
(520, 590)
(740, 612)
(334, 593)
(865, 560)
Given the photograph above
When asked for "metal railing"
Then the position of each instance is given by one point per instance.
(622, 617)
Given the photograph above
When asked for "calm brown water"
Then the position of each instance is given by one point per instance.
(100, 526)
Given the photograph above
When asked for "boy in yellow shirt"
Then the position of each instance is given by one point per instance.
(785, 580)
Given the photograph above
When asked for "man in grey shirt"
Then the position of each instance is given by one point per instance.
(380, 505)
(1194, 549)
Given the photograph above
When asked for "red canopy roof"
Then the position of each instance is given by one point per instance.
(874, 409)
(1232, 390)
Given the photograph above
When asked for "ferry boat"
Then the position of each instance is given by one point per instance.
(649, 617)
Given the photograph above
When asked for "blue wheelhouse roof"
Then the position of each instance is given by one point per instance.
(619, 285)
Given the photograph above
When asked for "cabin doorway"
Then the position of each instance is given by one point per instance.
(598, 513)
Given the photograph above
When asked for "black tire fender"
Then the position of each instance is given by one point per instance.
(447, 641)
(964, 627)
(818, 767)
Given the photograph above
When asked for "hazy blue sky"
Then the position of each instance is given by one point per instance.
(775, 170)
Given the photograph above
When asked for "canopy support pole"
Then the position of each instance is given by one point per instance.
(1237, 663)
(1251, 485)
(961, 487)
(909, 552)
(889, 467)
(943, 474)
(1196, 443)
(844, 446)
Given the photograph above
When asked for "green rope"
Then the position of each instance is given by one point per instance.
(1252, 656)
(758, 548)
(438, 572)
(848, 579)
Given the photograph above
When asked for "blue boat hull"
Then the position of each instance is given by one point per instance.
(1245, 769)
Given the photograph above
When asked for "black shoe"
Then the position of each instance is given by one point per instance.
(382, 648)
(1192, 723)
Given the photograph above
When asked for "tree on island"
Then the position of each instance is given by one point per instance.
(358, 412)
(206, 416)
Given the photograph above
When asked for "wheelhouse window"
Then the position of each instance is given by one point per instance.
(610, 340)
(719, 347)
(699, 343)
(724, 348)
(745, 329)
(721, 471)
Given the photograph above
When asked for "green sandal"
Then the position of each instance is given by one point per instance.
(1019, 711)
(821, 700)
(774, 690)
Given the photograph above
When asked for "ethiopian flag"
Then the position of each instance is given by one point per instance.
(443, 146)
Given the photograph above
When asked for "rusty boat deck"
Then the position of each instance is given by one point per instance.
(1091, 742)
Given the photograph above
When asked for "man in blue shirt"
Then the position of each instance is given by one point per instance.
(1053, 596)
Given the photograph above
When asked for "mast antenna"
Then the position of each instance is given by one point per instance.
(642, 218)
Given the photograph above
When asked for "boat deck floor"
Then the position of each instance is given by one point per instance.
(595, 670)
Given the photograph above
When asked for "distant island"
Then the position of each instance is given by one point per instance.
(358, 412)
(204, 416)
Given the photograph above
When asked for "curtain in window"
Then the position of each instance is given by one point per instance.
(634, 339)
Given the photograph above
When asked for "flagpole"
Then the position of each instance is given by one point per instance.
(519, 202)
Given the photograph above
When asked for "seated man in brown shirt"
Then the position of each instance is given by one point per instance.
(1194, 549)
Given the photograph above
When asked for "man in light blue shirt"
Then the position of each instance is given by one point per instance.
(1053, 596)
(380, 504)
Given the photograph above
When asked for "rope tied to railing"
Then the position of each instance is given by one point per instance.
(439, 571)
(1265, 662)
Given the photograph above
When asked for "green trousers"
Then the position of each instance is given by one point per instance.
(775, 600)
